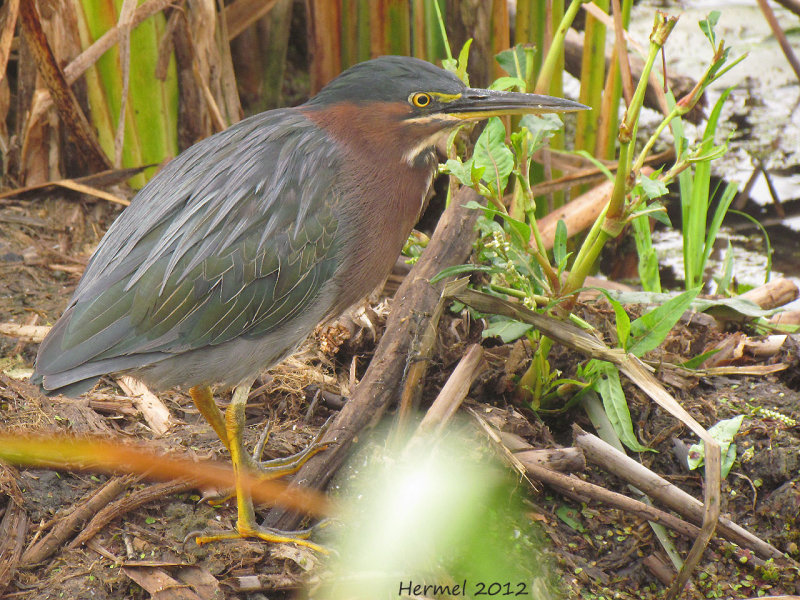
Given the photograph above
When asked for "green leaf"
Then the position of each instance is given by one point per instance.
(506, 83)
(492, 154)
(695, 362)
(657, 211)
(519, 230)
(649, 330)
(743, 307)
(723, 433)
(567, 515)
(648, 269)
(707, 27)
(467, 173)
(514, 61)
(652, 187)
(560, 244)
(459, 270)
(463, 59)
(648, 260)
(507, 330)
(606, 383)
(541, 128)
(623, 321)
(724, 280)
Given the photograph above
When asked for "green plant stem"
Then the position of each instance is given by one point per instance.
(556, 48)
(613, 218)
(686, 104)
(445, 41)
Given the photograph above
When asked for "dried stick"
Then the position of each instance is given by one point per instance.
(13, 527)
(414, 302)
(658, 488)
(64, 99)
(577, 488)
(454, 391)
(791, 57)
(67, 525)
(128, 503)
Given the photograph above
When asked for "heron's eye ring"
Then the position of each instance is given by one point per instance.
(421, 100)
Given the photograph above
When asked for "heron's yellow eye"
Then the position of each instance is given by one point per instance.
(421, 100)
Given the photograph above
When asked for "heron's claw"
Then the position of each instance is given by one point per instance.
(286, 465)
(250, 531)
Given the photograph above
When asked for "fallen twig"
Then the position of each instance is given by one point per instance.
(66, 526)
(153, 410)
(454, 391)
(127, 504)
(658, 488)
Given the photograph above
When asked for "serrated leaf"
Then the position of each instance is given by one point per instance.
(607, 384)
(649, 330)
(492, 154)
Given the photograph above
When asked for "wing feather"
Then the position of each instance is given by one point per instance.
(234, 237)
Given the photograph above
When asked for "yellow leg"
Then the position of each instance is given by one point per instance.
(246, 525)
(204, 401)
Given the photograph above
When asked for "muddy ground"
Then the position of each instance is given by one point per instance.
(598, 552)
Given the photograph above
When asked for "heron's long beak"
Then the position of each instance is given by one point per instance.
(480, 104)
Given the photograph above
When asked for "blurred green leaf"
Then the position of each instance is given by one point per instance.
(560, 246)
(707, 26)
(463, 59)
(459, 270)
(507, 83)
(513, 61)
(506, 329)
(569, 517)
(723, 433)
(541, 127)
(652, 187)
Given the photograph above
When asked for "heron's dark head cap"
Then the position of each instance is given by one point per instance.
(431, 94)
(387, 79)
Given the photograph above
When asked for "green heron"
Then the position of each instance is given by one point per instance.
(240, 246)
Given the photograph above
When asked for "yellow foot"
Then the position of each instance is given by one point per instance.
(266, 534)
(275, 468)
